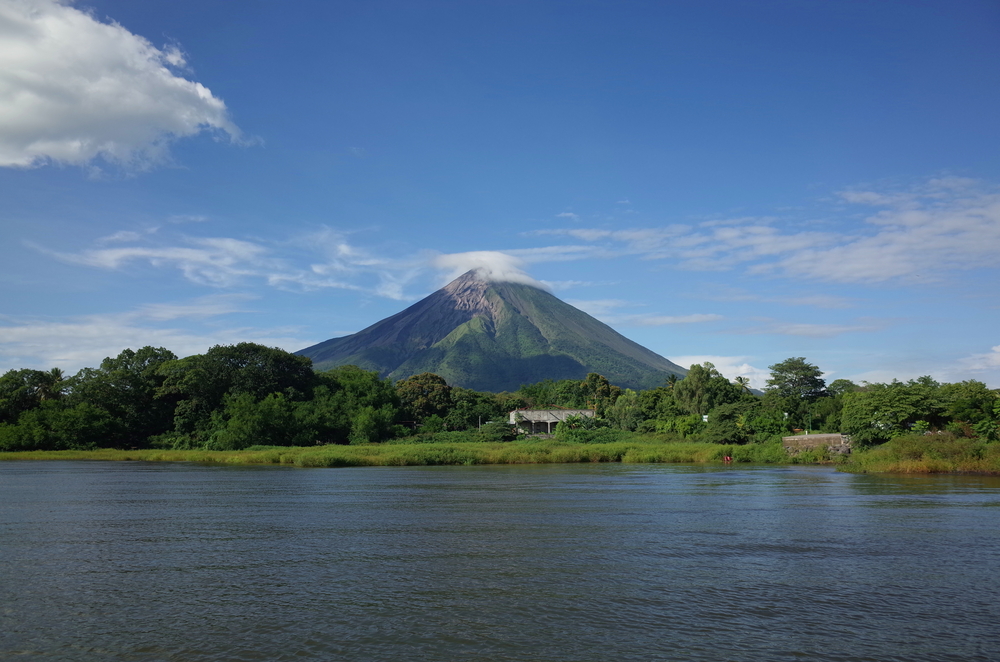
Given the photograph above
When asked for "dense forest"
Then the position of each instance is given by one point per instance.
(238, 396)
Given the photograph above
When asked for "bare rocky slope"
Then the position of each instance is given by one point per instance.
(494, 336)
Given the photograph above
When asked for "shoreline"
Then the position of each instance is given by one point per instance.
(892, 458)
(440, 453)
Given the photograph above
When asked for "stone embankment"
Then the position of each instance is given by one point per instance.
(834, 444)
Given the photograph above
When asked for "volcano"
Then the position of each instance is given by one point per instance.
(492, 335)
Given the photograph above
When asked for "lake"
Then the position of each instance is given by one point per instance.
(181, 562)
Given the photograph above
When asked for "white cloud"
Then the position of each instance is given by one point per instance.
(568, 214)
(730, 366)
(490, 265)
(76, 342)
(74, 89)
(985, 361)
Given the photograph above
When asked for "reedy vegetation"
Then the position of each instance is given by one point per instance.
(632, 448)
(215, 406)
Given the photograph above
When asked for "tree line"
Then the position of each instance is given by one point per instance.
(238, 396)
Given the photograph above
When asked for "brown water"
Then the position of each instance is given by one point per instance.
(133, 561)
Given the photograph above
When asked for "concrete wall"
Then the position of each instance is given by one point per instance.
(832, 443)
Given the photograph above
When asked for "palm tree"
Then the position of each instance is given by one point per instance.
(51, 384)
(743, 382)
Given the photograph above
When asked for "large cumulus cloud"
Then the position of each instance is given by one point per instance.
(74, 89)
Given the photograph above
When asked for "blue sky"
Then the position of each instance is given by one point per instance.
(737, 182)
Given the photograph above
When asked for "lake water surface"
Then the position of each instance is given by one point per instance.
(180, 562)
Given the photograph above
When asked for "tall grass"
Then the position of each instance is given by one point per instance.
(926, 454)
(455, 450)
(635, 449)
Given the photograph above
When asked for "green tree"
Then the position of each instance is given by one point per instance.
(55, 426)
(200, 383)
(970, 401)
(625, 413)
(839, 387)
(126, 387)
(470, 409)
(598, 393)
(245, 421)
(704, 388)
(879, 412)
(370, 425)
(728, 423)
(799, 384)
(796, 378)
(52, 385)
(340, 397)
(19, 391)
(424, 395)
(497, 431)
(539, 394)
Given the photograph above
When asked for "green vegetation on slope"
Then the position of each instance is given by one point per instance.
(494, 337)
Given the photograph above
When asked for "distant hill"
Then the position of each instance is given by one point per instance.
(495, 336)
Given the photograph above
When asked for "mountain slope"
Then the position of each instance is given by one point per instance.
(494, 336)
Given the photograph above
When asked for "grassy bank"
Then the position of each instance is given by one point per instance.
(637, 449)
(913, 454)
(927, 454)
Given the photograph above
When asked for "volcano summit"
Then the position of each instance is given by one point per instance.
(494, 336)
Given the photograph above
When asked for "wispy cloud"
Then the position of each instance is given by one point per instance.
(662, 320)
(322, 259)
(829, 301)
(817, 300)
(123, 236)
(491, 265)
(558, 285)
(74, 89)
(187, 218)
(982, 362)
(919, 234)
(914, 234)
(75, 342)
(200, 308)
(599, 307)
(809, 330)
(216, 261)
(605, 310)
